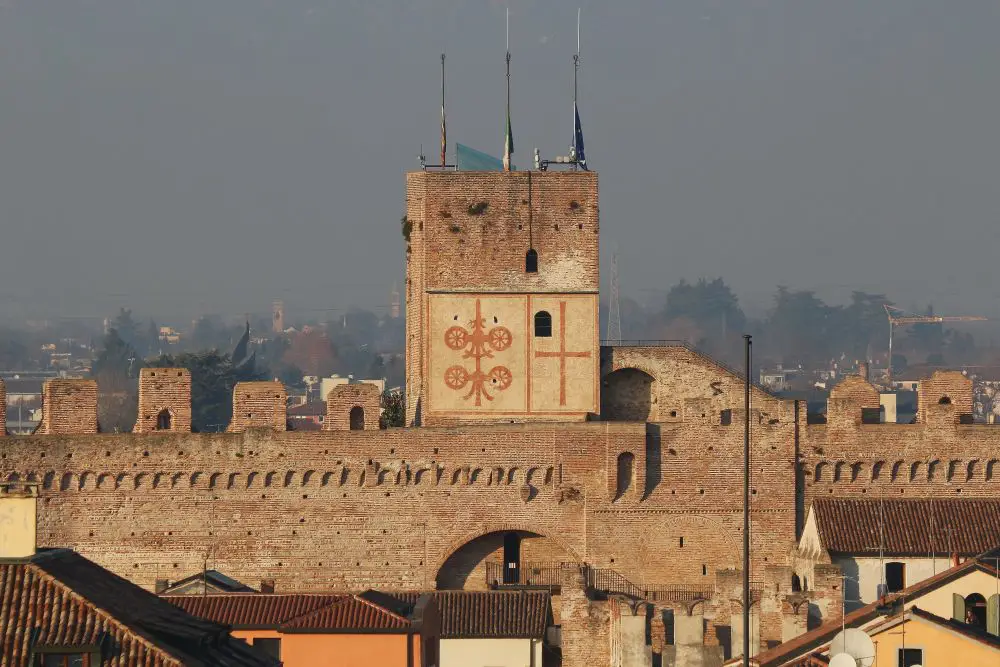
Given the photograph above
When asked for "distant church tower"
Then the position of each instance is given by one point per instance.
(278, 317)
(394, 302)
(501, 297)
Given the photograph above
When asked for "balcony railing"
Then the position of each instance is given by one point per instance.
(601, 580)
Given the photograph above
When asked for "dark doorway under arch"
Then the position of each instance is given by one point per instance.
(627, 395)
(357, 418)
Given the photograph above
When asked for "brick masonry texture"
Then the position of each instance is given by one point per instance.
(259, 405)
(3, 408)
(470, 235)
(347, 397)
(164, 389)
(69, 406)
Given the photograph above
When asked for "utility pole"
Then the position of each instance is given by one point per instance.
(746, 504)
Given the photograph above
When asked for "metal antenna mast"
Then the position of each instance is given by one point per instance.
(614, 313)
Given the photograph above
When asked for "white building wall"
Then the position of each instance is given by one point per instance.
(491, 653)
(868, 573)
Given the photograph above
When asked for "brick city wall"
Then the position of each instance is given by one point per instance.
(389, 508)
(164, 389)
(3, 408)
(343, 399)
(69, 406)
(471, 232)
(259, 405)
(938, 456)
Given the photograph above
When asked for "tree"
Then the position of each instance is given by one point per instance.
(311, 351)
(126, 327)
(116, 369)
(393, 410)
(801, 327)
(213, 378)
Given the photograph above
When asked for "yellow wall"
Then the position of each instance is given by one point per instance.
(339, 650)
(491, 653)
(939, 601)
(941, 646)
(17, 524)
(533, 377)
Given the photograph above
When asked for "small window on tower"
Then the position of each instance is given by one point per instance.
(531, 262)
(543, 324)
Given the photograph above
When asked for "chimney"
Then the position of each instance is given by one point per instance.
(863, 370)
(18, 507)
(267, 586)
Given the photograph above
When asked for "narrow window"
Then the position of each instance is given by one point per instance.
(531, 261)
(682, 542)
(704, 570)
(726, 417)
(511, 558)
(163, 420)
(895, 576)
(543, 324)
(796, 584)
(357, 418)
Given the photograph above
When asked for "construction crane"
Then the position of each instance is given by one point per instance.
(903, 319)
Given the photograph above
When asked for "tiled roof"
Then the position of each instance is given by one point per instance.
(804, 644)
(59, 598)
(350, 613)
(468, 614)
(401, 603)
(252, 610)
(965, 526)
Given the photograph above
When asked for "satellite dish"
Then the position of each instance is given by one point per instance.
(856, 644)
(843, 660)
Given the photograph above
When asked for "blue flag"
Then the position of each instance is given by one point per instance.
(581, 156)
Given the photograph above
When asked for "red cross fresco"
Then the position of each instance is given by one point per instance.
(478, 344)
(562, 354)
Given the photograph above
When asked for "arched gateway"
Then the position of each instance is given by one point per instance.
(511, 557)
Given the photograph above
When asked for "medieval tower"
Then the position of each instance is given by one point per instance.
(502, 297)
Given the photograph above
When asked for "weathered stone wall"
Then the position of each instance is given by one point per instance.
(259, 405)
(68, 406)
(345, 398)
(164, 389)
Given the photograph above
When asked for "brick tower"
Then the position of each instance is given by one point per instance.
(501, 297)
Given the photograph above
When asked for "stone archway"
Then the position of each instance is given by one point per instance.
(628, 394)
(478, 557)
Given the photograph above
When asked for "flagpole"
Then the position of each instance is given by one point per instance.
(444, 130)
(506, 146)
(576, 67)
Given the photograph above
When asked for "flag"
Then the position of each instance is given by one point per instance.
(581, 157)
(508, 144)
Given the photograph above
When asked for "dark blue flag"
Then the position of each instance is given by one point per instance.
(581, 156)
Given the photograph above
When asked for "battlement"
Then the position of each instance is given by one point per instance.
(259, 405)
(68, 406)
(353, 407)
(164, 400)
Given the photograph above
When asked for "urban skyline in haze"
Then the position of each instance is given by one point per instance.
(210, 157)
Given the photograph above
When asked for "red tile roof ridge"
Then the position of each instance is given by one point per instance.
(139, 634)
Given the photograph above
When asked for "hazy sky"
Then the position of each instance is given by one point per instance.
(192, 156)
